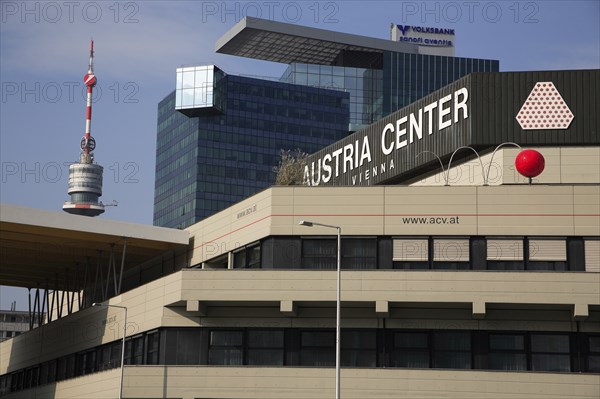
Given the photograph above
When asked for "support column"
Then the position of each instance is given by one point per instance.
(580, 311)
(382, 308)
(196, 307)
(288, 308)
(478, 310)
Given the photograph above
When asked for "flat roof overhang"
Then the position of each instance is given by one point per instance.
(288, 43)
(38, 246)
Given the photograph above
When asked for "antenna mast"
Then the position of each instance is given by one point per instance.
(85, 177)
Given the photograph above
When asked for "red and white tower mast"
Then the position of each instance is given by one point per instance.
(85, 177)
(90, 81)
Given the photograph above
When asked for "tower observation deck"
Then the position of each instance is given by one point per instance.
(85, 176)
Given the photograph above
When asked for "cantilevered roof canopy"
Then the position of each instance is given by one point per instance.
(288, 43)
(38, 245)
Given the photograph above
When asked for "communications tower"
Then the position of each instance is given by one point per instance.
(85, 176)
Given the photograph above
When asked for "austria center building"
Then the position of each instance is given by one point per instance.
(220, 135)
(459, 279)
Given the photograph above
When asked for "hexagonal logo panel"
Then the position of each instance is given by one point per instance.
(544, 109)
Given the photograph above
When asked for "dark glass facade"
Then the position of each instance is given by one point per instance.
(409, 77)
(390, 82)
(364, 85)
(553, 351)
(216, 158)
(412, 253)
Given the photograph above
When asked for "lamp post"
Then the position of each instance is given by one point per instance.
(122, 346)
(337, 306)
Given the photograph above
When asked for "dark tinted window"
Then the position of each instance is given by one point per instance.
(550, 352)
(507, 352)
(359, 348)
(451, 349)
(317, 348)
(265, 347)
(410, 349)
(226, 347)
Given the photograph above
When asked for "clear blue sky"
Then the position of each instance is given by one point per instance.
(44, 56)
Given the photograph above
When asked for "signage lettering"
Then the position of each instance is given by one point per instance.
(425, 41)
(424, 29)
(451, 109)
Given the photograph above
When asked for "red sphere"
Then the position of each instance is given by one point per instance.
(530, 163)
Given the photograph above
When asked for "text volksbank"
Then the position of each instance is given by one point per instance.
(406, 130)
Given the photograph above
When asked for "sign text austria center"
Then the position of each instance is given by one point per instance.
(405, 131)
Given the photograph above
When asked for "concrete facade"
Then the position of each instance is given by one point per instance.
(210, 295)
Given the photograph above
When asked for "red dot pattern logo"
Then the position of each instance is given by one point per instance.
(544, 109)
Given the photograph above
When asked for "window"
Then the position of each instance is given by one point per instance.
(410, 349)
(79, 364)
(507, 352)
(359, 348)
(317, 348)
(44, 373)
(61, 367)
(594, 354)
(52, 371)
(451, 349)
(4, 384)
(359, 253)
(319, 253)
(104, 357)
(505, 254)
(247, 257)
(547, 254)
(28, 382)
(134, 350)
(265, 347)
(451, 254)
(90, 362)
(152, 339)
(225, 348)
(70, 366)
(592, 255)
(411, 253)
(550, 352)
(115, 354)
(182, 346)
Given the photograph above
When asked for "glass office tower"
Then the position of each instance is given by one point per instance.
(364, 85)
(222, 142)
(219, 136)
(392, 82)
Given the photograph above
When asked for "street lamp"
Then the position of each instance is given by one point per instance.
(337, 305)
(122, 346)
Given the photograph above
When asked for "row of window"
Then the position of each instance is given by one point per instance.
(285, 111)
(141, 349)
(172, 129)
(237, 85)
(409, 77)
(443, 253)
(366, 348)
(364, 85)
(180, 147)
(9, 334)
(165, 198)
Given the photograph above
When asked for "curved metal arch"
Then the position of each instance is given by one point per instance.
(478, 157)
(487, 175)
(439, 160)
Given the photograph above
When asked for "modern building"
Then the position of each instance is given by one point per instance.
(220, 136)
(227, 152)
(464, 290)
(15, 322)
